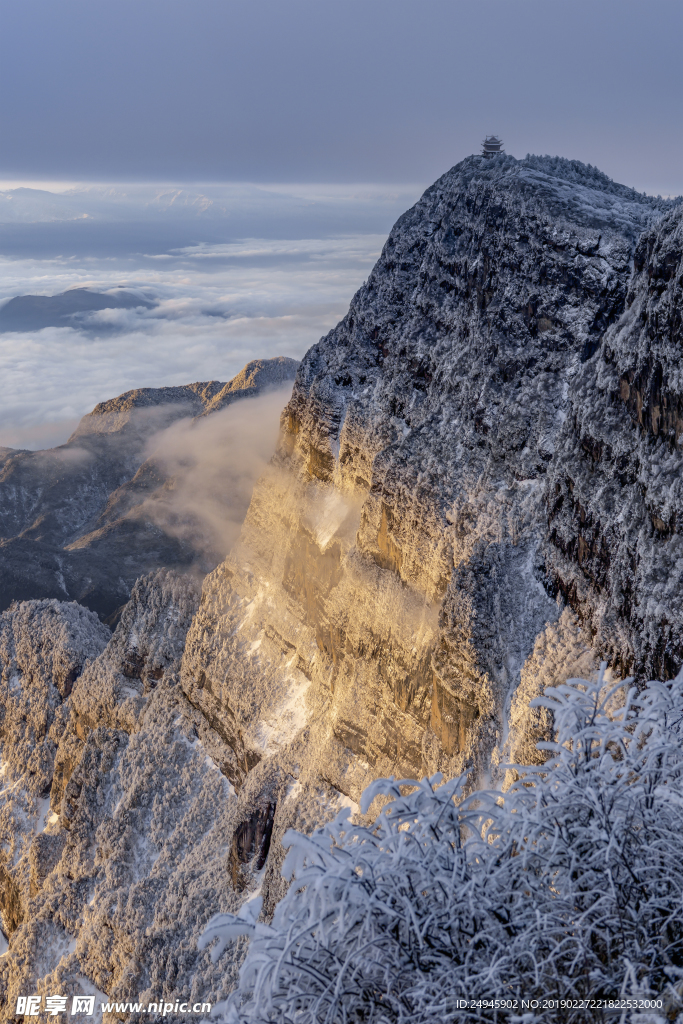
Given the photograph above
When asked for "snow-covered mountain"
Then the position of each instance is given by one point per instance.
(474, 496)
(83, 521)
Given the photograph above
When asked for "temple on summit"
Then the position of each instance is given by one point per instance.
(491, 145)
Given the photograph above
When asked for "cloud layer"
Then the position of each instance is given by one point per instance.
(218, 303)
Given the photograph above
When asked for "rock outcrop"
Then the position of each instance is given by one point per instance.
(122, 831)
(117, 843)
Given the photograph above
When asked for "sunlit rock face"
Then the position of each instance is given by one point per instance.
(615, 494)
(121, 832)
(390, 580)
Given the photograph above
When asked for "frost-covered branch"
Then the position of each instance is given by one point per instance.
(570, 885)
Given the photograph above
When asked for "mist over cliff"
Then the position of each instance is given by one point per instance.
(156, 477)
(474, 496)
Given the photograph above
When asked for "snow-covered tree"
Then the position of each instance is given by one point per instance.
(566, 888)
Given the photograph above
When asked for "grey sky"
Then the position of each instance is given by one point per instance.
(336, 90)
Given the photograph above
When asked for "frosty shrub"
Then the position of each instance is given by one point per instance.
(568, 886)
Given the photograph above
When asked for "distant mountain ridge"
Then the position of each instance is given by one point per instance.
(34, 312)
(71, 519)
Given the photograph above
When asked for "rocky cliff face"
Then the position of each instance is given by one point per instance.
(390, 580)
(615, 491)
(490, 433)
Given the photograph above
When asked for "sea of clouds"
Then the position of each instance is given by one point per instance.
(235, 272)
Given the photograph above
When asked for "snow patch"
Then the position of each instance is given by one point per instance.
(294, 790)
(342, 800)
(43, 812)
(288, 718)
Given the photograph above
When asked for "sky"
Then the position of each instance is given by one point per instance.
(336, 90)
(240, 162)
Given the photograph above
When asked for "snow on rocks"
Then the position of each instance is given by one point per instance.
(115, 885)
